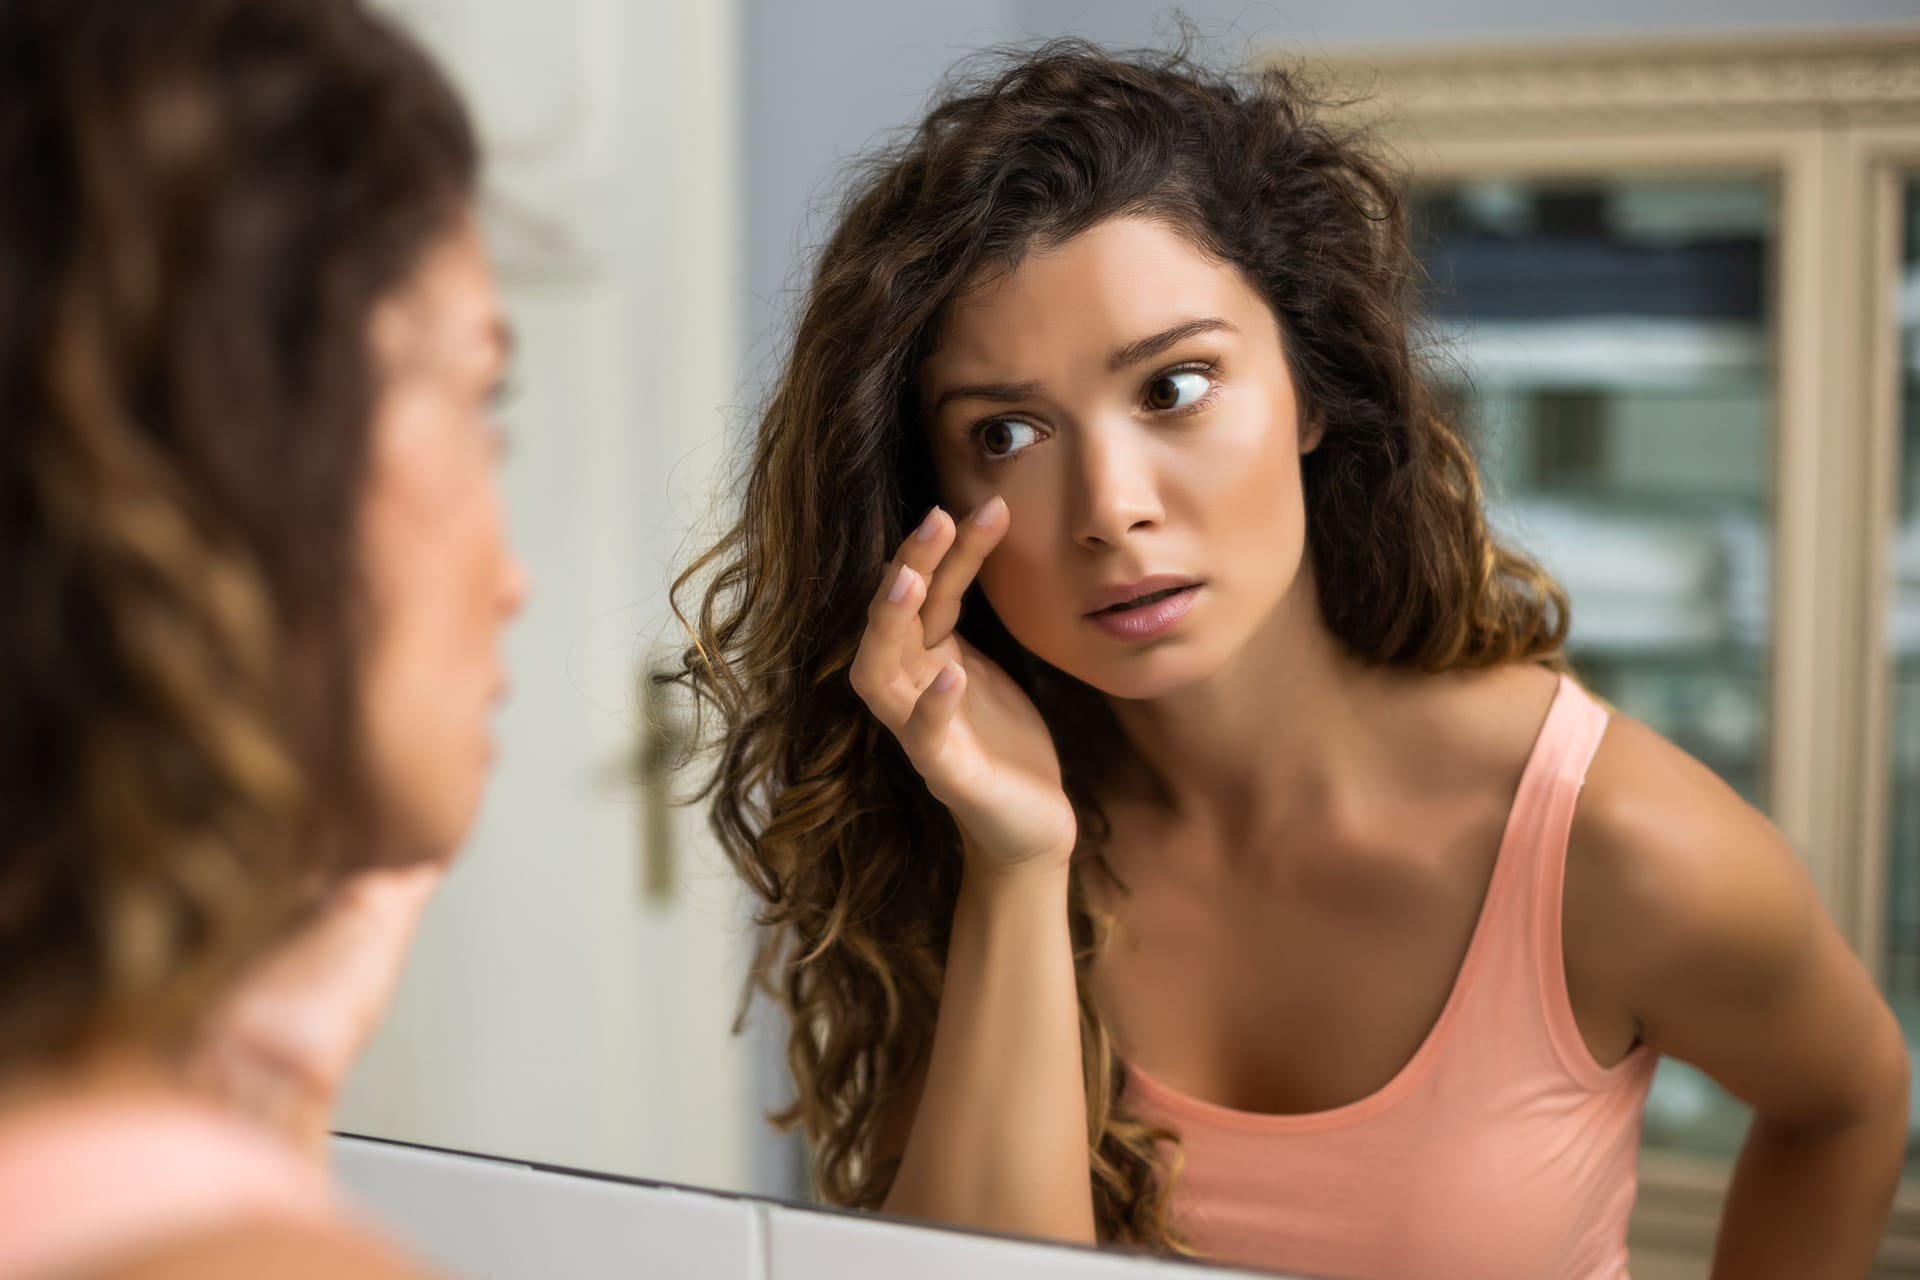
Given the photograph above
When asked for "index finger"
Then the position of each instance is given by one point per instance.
(974, 541)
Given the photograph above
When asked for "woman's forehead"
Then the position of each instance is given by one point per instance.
(1114, 284)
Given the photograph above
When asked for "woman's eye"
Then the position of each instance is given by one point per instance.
(1177, 390)
(1004, 437)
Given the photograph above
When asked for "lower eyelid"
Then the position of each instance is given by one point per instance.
(1204, 402)
(1002, 459)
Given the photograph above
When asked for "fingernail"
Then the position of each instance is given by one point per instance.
(901, 581)
(948, 677)
(927, 527)
(989, 512)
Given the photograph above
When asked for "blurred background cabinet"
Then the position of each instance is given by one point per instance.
(1674, 292)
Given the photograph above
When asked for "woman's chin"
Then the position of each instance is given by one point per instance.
(1143, 677)
(433, 829)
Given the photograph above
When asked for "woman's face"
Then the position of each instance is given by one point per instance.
(1129, 398)
(442, 581)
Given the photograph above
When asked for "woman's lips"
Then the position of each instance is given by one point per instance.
(1121, 593)
(1150, 620)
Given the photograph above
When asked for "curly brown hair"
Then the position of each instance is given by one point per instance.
(205, 200)
(857, 866)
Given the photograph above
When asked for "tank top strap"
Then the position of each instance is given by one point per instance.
(1542, 815)
(1533, 842)
(1539, 831)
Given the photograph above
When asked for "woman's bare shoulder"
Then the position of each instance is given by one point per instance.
(1483, 721)
(1671, 872)
(1657, 830)
(286, 1251)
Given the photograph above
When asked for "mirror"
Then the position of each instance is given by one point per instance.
(572, 1001)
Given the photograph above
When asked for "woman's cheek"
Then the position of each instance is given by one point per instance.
(1024, 594)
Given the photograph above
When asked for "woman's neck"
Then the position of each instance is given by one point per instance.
(1285, 732)
(104, 1075)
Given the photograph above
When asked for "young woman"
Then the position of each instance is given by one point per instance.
(254, 574)
(1161, 784)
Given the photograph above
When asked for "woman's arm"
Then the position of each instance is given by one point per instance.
(998, 1137)
(1687, 907)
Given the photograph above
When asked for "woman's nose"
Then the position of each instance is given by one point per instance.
(1115, 488)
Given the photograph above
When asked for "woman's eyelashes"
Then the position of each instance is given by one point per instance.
(998, 439)
(1175, 392)
(1187, 389)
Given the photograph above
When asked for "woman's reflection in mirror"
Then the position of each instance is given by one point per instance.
(1175, 818)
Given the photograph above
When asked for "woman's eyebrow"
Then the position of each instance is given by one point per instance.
(1001, 392)
(1133, 353)
(1147, 348)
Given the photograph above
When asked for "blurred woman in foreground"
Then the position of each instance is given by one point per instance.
(255, 575)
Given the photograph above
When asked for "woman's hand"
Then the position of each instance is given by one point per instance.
(280, 1046)
(974, 736)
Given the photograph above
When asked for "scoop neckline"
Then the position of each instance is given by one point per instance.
(1533, 775)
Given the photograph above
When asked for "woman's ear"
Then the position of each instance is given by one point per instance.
(1310, 435)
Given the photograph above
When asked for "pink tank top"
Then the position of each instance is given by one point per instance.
(84, 1184)
(1501, 1151)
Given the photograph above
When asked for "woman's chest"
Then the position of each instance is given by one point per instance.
(1290, 996)
(1486, 1187)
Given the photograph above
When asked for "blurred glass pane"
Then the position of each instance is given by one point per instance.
(1608, 345)
(1903, 881)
